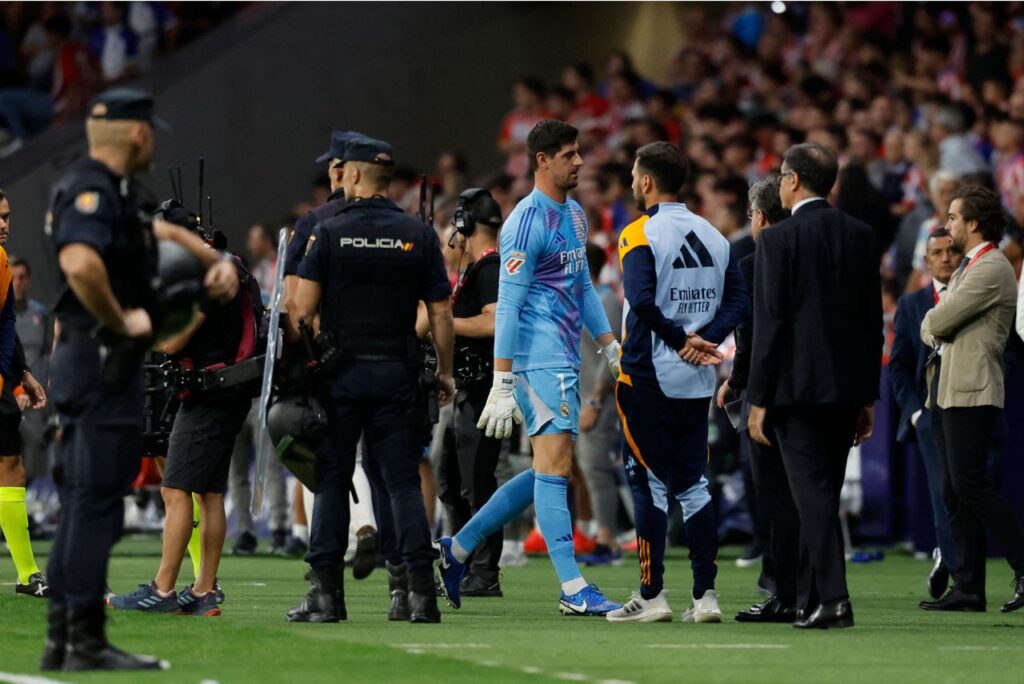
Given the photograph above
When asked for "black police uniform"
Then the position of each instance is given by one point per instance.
(97, 390)
(101, 416)
(466, 469)
(374, 263)
(207, 423)
(304, 228)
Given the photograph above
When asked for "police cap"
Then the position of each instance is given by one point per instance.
(120, 104)
(369, 151)
(339, 141)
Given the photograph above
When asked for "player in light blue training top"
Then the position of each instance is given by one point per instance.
(545, 297)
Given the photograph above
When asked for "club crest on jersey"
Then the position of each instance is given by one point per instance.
(87, 202)
(564, 409)
(514, 262)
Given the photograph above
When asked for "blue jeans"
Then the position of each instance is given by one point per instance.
(25, 111)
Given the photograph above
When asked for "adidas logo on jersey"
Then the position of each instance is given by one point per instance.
(686, 258)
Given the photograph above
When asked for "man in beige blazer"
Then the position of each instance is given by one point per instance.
(969, 328)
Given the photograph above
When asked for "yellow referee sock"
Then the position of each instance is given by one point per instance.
(195, 543)
(14, 523)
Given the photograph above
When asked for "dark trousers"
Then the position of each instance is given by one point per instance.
(666, 456)
(933, 469)
(963, 436)
(465, 475)
(781, 560)
(376, 399)
(98, 458)
(815, 442)
(98, 464)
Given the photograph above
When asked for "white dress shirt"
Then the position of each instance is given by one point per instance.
(802, 202)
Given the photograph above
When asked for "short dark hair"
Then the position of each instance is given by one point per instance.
(3, 195)
(18, 261)
(549, 136)
(765, 195)
(941, 232)
(664, 163)
(982, 205)
(533, 84)
(815, 164)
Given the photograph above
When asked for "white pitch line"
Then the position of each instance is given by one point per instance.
(530, 669)
(615, 681)
(737, 646)
(979, 648)
(11, 678)
(444, 646)
(571, 676)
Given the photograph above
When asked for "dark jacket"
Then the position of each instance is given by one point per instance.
(817, 311)
(909, 358)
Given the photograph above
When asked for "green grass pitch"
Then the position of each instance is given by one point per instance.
(522, 638)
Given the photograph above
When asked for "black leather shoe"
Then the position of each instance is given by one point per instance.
(472, 585)
(956, 600)
(88, 648)
(320, 605)
(828, 616)
(365, 559)
(1018, 596)
(398, 585)
(56, 637)
(938, 578)
(423, 608)
(772, 610)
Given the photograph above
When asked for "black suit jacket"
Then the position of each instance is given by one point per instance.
(744, 332)
(909, 358)
(817, 311)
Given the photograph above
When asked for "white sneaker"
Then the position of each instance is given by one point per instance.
(704, 609)
(639, 609)
(512, 554)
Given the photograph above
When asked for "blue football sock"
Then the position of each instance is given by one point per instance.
(511, 499)
(555, 524)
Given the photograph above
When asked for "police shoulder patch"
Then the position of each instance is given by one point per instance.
(87, 202)
(310, 242)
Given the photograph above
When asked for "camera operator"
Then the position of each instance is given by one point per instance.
(199, 454)
(467, 465)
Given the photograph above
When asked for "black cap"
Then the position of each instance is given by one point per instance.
(369, 151)
(339, 141)
(124, 104)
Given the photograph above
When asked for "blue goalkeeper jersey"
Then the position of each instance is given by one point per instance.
(545, 295)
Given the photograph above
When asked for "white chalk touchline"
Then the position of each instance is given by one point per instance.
(754, 646)
(443, 646)
(11, 678)
(979, 648)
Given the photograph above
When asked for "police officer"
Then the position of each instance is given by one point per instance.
(362, 510)
(466, 468)
(364, 272)
(107, 311)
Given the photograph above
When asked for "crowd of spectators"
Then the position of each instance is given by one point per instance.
(54, 56)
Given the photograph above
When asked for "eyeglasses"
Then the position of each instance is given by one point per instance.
(786, 173)
(751, 212)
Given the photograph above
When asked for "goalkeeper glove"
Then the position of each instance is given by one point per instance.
(501, 408)
(611, 354)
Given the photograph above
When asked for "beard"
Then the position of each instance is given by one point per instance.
(639, 201)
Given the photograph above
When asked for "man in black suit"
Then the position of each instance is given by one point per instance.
(907, 366)
(815, 364)
(770, 488)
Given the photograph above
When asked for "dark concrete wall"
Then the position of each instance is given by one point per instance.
(259, 96)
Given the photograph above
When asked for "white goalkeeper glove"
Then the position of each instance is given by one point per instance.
(611, 354)
(501, 408)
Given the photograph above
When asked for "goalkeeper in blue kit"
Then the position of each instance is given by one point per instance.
(545, 297)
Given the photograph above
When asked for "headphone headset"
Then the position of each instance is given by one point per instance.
(465, 220)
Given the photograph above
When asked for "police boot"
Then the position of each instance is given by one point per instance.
(56, 637)
(325, 601)
(88, 648)
(423, 598)
(398, 585)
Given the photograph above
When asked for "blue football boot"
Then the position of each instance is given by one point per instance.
(145, 599)
(450, 570)
(587, 601)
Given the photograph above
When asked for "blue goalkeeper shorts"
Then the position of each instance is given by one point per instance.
(550, 400)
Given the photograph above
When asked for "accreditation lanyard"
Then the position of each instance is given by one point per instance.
(483, 255)
(987, 248)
